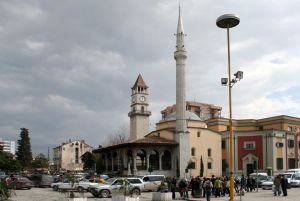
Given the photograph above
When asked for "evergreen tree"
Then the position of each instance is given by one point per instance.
(88, 160)
(201, 167)
(24, 154)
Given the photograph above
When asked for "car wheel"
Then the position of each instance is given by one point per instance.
(136, 192)
(80, 189)
(96, 195)
(29, 188)
(55, 188)
(105, 193)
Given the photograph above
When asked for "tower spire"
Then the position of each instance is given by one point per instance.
(180, 33)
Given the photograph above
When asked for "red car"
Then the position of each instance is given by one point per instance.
(19, 183)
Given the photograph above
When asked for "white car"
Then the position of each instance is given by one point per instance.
(114, 184)
(267, 185)
(55, 186)
(295, 180)
(81, 185)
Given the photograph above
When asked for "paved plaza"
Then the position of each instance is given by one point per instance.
(46, 194)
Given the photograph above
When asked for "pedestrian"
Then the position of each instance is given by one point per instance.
(249, 184)
(173, 187)
(284, 185)
(217, 187)
(203, 187)
(208, 188)
(277, 185)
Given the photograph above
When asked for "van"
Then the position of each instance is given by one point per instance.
(289, 176)
(42, 180)
(259, 177)
(294, 170)
(152, 182)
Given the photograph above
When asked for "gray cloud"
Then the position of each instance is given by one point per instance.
(66, 67)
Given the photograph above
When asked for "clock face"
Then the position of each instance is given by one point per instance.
(142, 98)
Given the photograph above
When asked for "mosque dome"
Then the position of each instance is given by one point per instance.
(189, 116)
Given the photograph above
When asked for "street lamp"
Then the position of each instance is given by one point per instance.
(228, 21)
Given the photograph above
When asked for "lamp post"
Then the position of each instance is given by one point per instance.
(228, 21)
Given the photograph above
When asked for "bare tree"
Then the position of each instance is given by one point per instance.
(121, 135)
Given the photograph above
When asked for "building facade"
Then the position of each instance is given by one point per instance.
(8, 146)
(268, 144)
(68, 155)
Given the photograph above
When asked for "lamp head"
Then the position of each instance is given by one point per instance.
(224, 81)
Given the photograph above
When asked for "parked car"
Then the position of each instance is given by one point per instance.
(259, 177)
(55, 185)
(19, 183)
(113, 184)
(295, 180)
(80, 185)
(42, 180)
(267, 185)
(152, 182)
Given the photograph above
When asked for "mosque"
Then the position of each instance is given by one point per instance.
(181, 145)
(192, 138)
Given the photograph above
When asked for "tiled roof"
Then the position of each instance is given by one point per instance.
(139, 82)
(149, 140)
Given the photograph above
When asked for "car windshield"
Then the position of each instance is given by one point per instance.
(288, 175)
(110, 181)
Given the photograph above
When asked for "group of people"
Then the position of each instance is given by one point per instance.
(280, 183)
(208, 187)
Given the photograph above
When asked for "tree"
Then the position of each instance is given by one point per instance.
(8, 163)
(88, 160)
(201, 167)
(120, 136)
(24, 154)
(40, 161)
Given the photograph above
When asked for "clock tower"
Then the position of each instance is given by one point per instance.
(139, 114)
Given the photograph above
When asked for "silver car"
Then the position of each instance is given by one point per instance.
(136, 185)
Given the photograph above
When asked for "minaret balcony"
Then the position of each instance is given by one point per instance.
(139, 112)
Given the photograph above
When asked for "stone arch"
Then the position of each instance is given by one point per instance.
(141, 159)
(115, 160)
(166, 160)
(154, 160)
(129, 156)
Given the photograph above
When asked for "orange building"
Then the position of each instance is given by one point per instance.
(267, 144)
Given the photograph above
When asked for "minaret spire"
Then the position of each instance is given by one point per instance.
(182, 134)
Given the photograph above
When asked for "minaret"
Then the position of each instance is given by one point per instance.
(139, 114)
(182, 134)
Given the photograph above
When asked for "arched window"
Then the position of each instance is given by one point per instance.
(193, 151)
(209, 152)
(166, 160)
(141, 161)
(154, 160)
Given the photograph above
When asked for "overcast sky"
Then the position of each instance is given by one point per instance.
(66, 67)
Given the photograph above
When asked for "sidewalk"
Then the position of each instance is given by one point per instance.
(264, 195)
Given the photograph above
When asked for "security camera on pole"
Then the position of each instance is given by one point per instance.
(228, 21)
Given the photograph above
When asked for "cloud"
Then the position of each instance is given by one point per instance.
(66, 68)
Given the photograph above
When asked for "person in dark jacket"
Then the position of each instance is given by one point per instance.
(173, 187)
(284, 185)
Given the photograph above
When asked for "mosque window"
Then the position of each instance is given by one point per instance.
(193, 150)
(142, 109)
(198, 134)
(76, 156)
(209, 165)
(154, 160)
(209, 152)
(141, 161)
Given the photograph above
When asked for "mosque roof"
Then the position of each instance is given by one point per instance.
(149, 140)
(189, 116)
